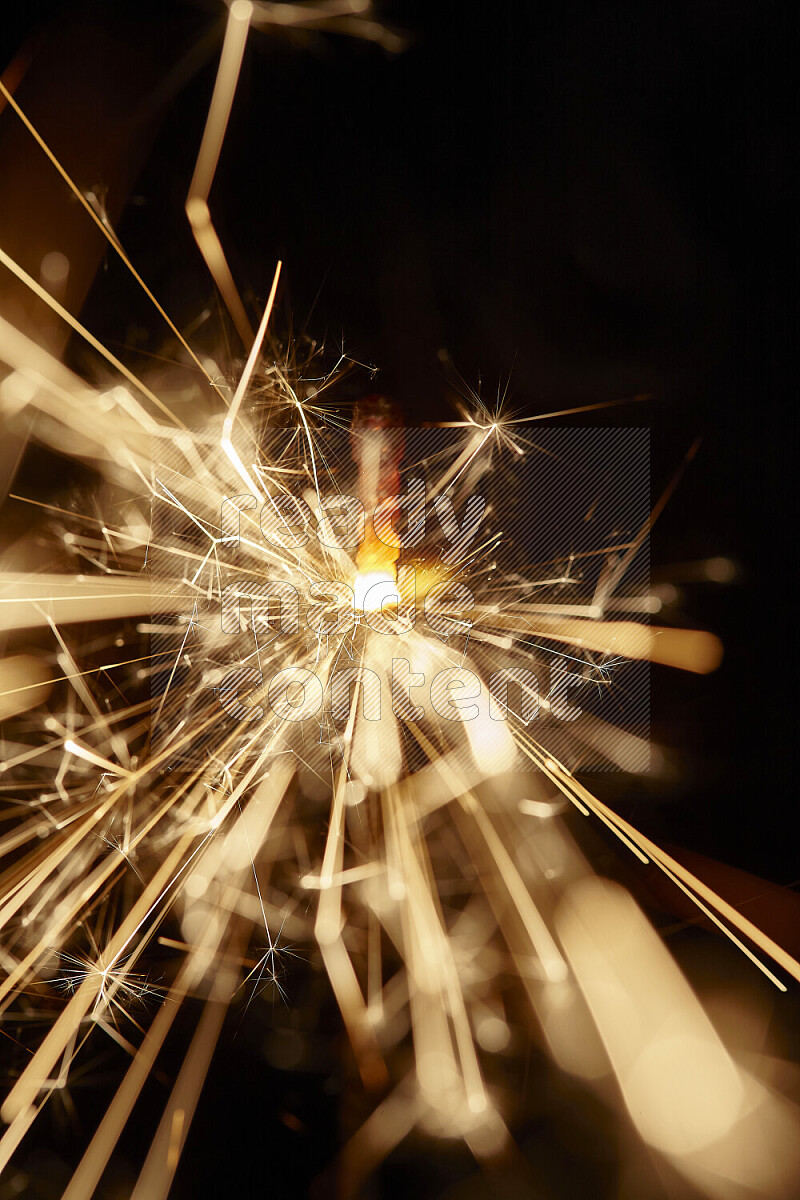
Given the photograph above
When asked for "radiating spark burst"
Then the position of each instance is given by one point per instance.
(116, 985)
(265, 974)
(386, 842)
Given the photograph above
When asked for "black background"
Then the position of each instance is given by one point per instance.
(579, 202)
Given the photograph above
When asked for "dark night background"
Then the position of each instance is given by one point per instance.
(582, 202)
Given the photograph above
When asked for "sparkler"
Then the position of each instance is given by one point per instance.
(229, 816)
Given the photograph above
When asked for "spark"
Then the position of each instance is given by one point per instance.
(377, 836)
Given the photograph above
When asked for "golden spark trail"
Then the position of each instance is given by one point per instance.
(263, 770)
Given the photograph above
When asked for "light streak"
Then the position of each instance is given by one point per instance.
(387, 843)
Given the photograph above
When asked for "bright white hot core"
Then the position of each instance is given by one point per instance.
(375, 589)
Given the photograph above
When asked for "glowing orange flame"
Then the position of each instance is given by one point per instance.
(377, 447)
